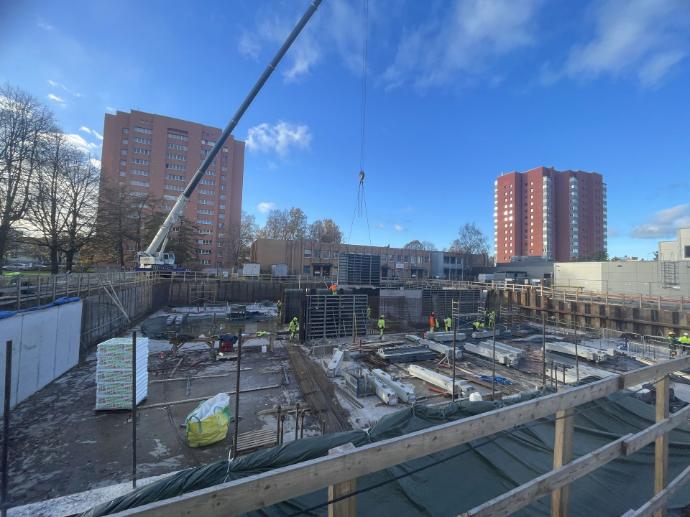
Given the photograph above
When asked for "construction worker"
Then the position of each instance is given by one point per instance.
(672, 344)
(684, 341)
(382, 326)
(293, 327)
(447, 323)
(478, 325)
(334, 288)
(432, 322)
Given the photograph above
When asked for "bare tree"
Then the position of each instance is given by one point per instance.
(48, 214)
(471, 240)
(24, 125)
(285, 225)
(238, 240)
(80, 195)
(325, 230)
(420, 245)
(125, 220)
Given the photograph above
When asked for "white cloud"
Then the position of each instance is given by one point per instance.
(337, 29)
(643, 38)
(266, 206)
(664, 223)
(464, 38)
(61, 86)
(380, 226)
(42, 24)
(55, 98)
(95, 162)
(80, 143)
(91, 132)
(249, 45)
(278, 138)
(110, 109)
(398, 227)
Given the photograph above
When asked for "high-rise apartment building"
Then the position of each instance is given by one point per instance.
(557, 215)
(154, 157)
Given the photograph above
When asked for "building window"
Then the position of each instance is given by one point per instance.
(306, 270)
(140, 161)
(207, 181)
(177, 167)
(141, 140)
(144, 130)
(141, 150)
(206, 192)
(174, 188)
(177, 156)
(203, 221)
(686, 252)
(125, 141)
(177, 147)
(123, 162)
(139, 183)
(307, 253)
(123, 152)
(204, 262)
(139, 172)
(174, 177)
(125, 130)
(203, 211)
(177, 136)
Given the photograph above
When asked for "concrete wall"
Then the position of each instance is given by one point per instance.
(45, 344)
(676, 250)
(649, 278)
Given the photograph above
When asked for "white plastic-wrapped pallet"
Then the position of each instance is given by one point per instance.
(114, 373)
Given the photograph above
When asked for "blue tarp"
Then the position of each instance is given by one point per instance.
(59, 301)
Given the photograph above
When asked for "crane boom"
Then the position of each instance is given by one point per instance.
(151, 256)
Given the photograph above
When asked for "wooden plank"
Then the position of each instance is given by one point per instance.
(347, 507)
(640, 440)
(660, 500)
(525, 494)
(562, 455)
(265, 489)
(661, 443)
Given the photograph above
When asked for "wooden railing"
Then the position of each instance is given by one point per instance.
(340, 470)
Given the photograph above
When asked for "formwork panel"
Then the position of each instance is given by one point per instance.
(359, 269)
(332, 316)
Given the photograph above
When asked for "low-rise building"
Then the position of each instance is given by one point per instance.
(678, 249)
(647, 278)
(318, 259)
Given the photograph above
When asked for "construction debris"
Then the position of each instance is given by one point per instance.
(505, 354)
(405, 392)
(462, 387)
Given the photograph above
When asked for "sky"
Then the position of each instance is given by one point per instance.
(457, 92)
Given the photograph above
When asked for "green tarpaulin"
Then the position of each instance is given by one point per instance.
(471, 474)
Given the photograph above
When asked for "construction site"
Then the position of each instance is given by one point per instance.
(164, 391)
(294, 393)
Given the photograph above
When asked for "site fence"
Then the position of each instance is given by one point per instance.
(340, 471)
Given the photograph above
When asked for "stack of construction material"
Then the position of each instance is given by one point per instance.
(114, 373)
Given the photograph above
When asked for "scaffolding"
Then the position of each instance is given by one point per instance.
(333, 316)
(359, 269)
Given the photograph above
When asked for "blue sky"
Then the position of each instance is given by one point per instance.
(458, 92)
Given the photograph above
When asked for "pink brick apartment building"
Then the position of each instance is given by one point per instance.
(157, 155)
(557, 215)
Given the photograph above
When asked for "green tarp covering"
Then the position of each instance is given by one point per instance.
(472, 473)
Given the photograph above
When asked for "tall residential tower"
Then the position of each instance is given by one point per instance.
(557, 215)
(154, 156)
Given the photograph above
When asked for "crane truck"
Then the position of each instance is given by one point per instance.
(154, 257)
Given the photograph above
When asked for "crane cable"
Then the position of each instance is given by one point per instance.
(361, 206)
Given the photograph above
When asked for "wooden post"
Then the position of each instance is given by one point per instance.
(134, 409)
(661, 443)
(562, 454)
(346, 507)
(6, 427)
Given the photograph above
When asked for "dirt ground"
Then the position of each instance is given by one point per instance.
(60, 445)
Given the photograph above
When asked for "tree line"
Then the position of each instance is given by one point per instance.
(48, 188)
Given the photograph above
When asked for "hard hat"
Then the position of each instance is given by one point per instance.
(685, 333)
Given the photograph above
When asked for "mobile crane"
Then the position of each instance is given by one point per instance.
(155, 257)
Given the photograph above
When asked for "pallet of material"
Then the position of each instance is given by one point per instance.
(404, 391)
(114, 373)
(462, 387)
(585, 352)
(505, 354)
(406, 353)
(253, 440)
(445, 337)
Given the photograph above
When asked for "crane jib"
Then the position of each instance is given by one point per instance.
(160, 238)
